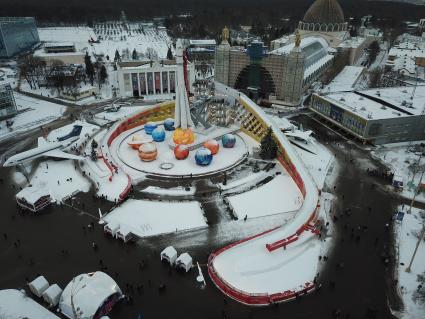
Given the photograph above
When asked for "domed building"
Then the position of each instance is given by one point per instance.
(325, 18)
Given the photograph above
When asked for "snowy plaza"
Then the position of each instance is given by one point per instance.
(159, 166)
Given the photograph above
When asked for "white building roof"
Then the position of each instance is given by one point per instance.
(202, 42)
(304, 43)
(52, 294)
(170, 253)
(58, 44)
(185, 259)
(353, 42)
(32, 194)
(381, 103)
(15, 304)
(345, 80)
(88, 292)
(38, 285)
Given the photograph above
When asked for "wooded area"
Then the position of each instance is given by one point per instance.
(209, 15)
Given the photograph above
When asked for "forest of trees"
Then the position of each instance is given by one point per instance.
(208, 16)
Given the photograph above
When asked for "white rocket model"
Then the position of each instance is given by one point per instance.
(182, 116)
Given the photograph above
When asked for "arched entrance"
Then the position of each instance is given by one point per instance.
(255, 81)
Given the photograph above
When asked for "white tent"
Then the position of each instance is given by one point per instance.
(16, 304)
(111, 228)
(87, 294)
(52, 295)
(184, 261)
(124, 234)
(169, 254)
(38, 286)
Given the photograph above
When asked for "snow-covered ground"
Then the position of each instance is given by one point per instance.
(33, 113)
(406, 239)
(280, 195)
(61, 179)
(8, 76)
(111, 116)
(399, 160)
(151, 218)
(102, 93)
(147, 37)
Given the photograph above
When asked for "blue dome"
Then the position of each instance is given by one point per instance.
(203, 156)
(149, 127)
(158, 134)
(169, 125)
(228, 140)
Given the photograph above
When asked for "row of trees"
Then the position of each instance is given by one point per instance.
(59, 76)
(96, 72)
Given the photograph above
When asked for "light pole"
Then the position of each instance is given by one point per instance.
(416, 191)
(421, 236)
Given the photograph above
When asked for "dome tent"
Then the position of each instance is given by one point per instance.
(89, 296)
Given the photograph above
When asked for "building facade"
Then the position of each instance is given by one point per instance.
(273, 75)
(376, 116)
(151, 79)
(17, 35)
(7, 102)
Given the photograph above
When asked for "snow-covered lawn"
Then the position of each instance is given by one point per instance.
(151, 37)
(280, 195)
(34, 113)
(150, 218)
(399, 159)
(59, 178)
(406, 242)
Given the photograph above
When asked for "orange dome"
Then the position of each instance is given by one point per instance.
(183, 136)
(181, 152)
(212, 145)
(148, 152)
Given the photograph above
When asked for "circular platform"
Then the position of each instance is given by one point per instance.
(225, 159)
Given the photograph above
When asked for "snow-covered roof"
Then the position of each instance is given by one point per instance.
(202, 42)
(88, 292)
(315, 50)
(304, 44)
(383, 103)
(58, 44)
(15, 304)
(346, 79)
(353, 42)
(170, 253)
(52, 294)
(38, 285)
(184, 259)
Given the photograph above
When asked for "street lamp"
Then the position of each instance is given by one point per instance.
(421, 236)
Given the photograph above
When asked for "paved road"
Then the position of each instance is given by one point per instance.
(361, 287)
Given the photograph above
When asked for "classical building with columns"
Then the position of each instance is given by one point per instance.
(151, 80)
